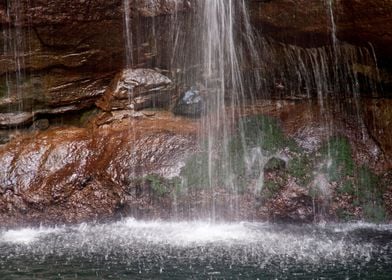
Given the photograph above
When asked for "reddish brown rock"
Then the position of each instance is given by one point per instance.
(153, 8)
(75, 174)
(308, 23)
(69, 174)
(293, 204)
(378, 118)
(61, 56)
(137, 89)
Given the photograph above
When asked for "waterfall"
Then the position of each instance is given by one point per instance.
(222, 56)
(212, 48)
(14, 49)
(128, 34)
(221, 72)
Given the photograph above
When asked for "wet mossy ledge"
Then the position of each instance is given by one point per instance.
(276, 166)
(326, 184)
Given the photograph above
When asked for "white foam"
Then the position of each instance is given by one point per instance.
(132, 237)
(26, 235)
(192, 232)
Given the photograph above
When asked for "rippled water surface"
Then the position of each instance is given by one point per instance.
(131, 249)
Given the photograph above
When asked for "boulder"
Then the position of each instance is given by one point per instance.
(292, 204)
(191, 104)
(137, 89)
(153, 8)
(274, 164)
(65, 175)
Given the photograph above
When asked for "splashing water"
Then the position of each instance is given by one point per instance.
(155, 249)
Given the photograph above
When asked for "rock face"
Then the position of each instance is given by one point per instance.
(61, 56)
(311, 27)
(58, 56)
(74, 174)
(293, 204)
(137, 89)
(128, 163)
(378, 118)
(153, 8)
(308, 23)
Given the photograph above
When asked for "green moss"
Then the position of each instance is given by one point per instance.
(345, 215)
(237, 157)
(270, 189)
(338, 157)
(263, 131)
(347, 187)
(370, 195)
(195, 171)
(369, 185)
(161, 186)
(275, 164)
(314, 191)
(301, 168)
(255, 132)
(374, 212)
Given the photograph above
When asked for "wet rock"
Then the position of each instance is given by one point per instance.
(378, 118)
(293, 204)
(274, 164)
(76, 174)
(15, 119)
(137, 89)
(51, 92)
(4, 138)
(308, 23)
(153, 8)
(58, 12)
(66, 175)
(312, 126)
(191, 104)
(41, 124)
(74, 50)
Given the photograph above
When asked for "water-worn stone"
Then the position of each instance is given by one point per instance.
(67, 174)
(74, 174)
(41, 124)
(137, 89)
(153, 8)
(292, 204)
(191, 104)
(274, 164)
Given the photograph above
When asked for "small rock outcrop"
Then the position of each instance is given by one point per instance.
(137, 89)
(191, 104)
(68, 175)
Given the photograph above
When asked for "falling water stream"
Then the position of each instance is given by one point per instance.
(15, 49)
